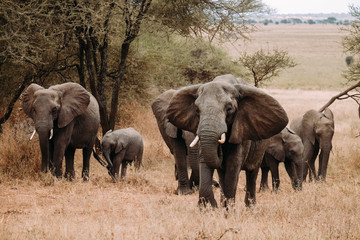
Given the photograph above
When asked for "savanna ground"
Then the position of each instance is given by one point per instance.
(143, 206)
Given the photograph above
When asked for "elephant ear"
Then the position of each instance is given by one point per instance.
(182, 111)
(159, 107)
(259, 116)
(276, 148)
(328, 113)
(308, 125)
(120, 145)
(28, 97)
(74, 102)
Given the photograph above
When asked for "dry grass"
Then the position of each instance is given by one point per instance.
(143, 205)
(317, 50)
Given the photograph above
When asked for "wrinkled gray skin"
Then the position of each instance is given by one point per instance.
(316, 130)
(177, 141)
(245, 114)
(73, 114)
(121, 147)
(284, 147)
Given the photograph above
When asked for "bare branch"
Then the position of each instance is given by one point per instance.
(343, 95)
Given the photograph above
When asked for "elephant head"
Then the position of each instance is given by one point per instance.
(52, 109)
(225, 111)
(287, 147)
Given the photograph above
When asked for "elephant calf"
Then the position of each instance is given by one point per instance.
(285, 147)
(316, 130)
(121, 147)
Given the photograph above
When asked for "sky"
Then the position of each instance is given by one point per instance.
(311, 6)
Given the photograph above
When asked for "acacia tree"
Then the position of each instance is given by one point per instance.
(95, 37)
(31, 50)
(351, 44)
(264, 65)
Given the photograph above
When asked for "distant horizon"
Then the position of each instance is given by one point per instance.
(311, 6)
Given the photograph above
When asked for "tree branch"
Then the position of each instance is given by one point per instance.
(340, 95)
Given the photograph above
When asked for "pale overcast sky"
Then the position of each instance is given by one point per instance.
(311, 6)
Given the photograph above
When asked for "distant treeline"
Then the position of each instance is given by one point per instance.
(329, 20)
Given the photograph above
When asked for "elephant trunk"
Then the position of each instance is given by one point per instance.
(298, 178)
(44, 146)
(107, 158)
(210, 150)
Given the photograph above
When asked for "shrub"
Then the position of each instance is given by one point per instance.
(19, 158)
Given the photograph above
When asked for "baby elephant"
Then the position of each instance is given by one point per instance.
(122, 146)
(285, 147)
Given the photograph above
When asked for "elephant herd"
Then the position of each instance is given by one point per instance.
(225, 125)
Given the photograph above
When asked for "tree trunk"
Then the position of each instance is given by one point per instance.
(16, 96)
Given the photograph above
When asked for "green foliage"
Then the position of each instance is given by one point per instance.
(160, 63)
(351, 44)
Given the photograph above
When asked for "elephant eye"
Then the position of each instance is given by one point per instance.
(197, 110)
(229, 109)
(54, 111)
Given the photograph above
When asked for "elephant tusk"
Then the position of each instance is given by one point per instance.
(32, 135)
(194, 142)
(51, 134)
(222, 139)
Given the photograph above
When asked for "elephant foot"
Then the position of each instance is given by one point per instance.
(85, 176)
(203, 202)
(69, 177)
(184, 191)
(263, 188)
(250, 202)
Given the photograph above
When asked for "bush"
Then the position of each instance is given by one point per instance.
(19, 158)
(161, 62)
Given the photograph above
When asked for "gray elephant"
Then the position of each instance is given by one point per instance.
(284, 147)
(121, 147)
(230, 119)
(66, 117)
(177, 141)
(316, 130)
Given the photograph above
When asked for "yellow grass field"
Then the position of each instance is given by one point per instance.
(316, 49)
(144, 206)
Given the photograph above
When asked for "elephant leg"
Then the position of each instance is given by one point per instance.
(69, 163)
(250, 196)
(181, 167)
(193, 161)
(312, 172)
(307, 156)
(118, 159)
(123, 169)
(86, 163)
(59, 153)
(274, 168)
(51, 155)
(231, 179)
(264, 178)
(323, 163)
(206, 194)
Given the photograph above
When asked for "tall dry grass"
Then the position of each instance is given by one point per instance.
(144, 206)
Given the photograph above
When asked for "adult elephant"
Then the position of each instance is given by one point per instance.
(66, 117)
(316, 130)
(288, 148)
(177, 141)
(229, 118)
